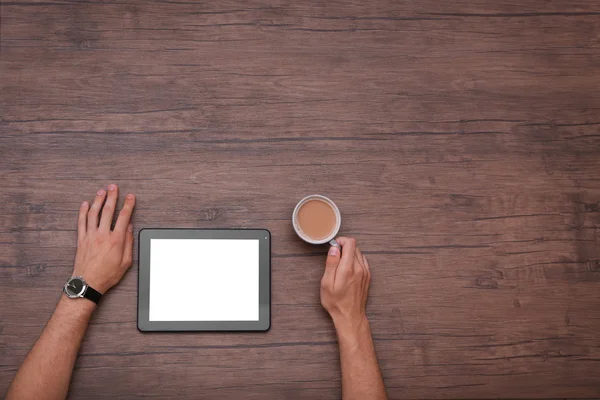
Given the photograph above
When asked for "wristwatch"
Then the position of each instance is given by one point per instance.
(76, 287)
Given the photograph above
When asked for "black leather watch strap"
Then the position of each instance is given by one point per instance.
(92, 294)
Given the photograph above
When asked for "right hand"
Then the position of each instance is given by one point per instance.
(104, 253)
(345, 283)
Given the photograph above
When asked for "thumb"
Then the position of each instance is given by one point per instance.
(128, 249)
(331, 263)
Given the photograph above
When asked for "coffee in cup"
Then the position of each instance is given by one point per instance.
(317, 219)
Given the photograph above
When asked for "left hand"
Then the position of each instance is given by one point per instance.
(104, 254)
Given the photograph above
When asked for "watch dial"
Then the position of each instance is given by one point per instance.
(74, 287)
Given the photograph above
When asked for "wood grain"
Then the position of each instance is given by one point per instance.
(461, 141)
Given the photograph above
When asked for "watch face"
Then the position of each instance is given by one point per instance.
(74, 287)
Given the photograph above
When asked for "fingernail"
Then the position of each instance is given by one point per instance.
(84, 204)
(112, 186)
(100, 192)
(130, 228)
(334, 251)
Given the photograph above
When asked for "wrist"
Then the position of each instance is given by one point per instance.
(354, 335)
(349, 327)
(92, 281)
(102, 288)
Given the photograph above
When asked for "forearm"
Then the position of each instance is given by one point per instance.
(361, 377)
(46, 371)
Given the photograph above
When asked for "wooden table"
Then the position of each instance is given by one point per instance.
(460, 139)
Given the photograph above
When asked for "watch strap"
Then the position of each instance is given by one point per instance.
(92, 294)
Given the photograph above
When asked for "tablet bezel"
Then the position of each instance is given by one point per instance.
(264, 281)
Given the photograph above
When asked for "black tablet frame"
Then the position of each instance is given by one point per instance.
(264, 281)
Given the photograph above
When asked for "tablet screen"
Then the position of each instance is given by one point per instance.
(204, 280)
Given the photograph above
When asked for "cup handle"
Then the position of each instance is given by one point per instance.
(333, 242)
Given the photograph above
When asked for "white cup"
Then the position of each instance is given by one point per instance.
(338, 220)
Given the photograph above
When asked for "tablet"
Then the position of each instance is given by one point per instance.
(204, 280)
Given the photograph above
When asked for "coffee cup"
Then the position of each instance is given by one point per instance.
(317, 220)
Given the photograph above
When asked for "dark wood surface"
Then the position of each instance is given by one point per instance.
(460, 139)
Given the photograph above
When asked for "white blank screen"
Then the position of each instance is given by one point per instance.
(204, 280)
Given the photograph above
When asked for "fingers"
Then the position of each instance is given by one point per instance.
(82, 220)
(367, 270)
(367, 266)
(358, 261)
(331, 264)
(352, 261)
(92, 220)
(128, 249)
(125, 213)
(360, 269)
(108, 211)
(348, 252)
(368, 277)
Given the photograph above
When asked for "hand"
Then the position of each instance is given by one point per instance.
(345, 284)
(104, 255)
